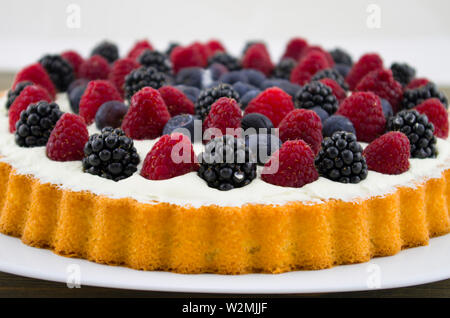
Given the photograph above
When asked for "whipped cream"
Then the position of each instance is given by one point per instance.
(189, 189)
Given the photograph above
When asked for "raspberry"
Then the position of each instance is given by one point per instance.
(366, 114)
(97, 92)
(95, 67)
(120, 69)
(436, 114)
(388, 154)
(295, 165)
(36, 74)
(146, 116)
(382, 83)
(417, 82)
(160, 164)
(308, 66)
(215, 46)
(257, 57)
(74, 59)
(338, 91)
(138, 48)
(366, 64)
(177, 103)
(316, 48)
(295, 48)
(225, 113)
(187, 56)
(67, 140)
(302, 124)
(30, 94)
(273, 103)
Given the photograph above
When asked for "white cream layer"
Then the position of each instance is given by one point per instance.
(191, 190)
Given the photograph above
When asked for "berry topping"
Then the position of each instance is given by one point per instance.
(60, 71)
(146, 116)
(75, 97)
(291, 166)
(437, 114)
(138, 48)
(341, 159)
(36, 123)
(309, 65)
(176, 101)
(110, 114)
(302, 124)
(14, 92)
(262, 145)
(341, 57)
(188, 56)
(294, 48)
(74, 59)
(382, 83)
(388, 154)
(110, 155)
(366, 64)
(94, 68)
(419, 131)
(225, 115)
(316, 94)
(227, 163)
(416, 96)
(67, 139)
(184, 124)
(36, 74)
(257, 57)
(120, 69)
(366, 114)
(157, 60)
(337, 123)
(230, 62)
(107, 50)
(337, 90)
(284, 68)
(209, 95)
(28, 95)
(403, 73)
(143, 77)
(257, 122)
(171, 156)
(333, 74)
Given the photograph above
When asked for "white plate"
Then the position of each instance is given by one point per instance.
(410, 267)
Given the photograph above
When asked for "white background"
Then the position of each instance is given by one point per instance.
(417, 32)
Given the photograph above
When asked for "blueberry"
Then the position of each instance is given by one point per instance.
(180, 123)
(263, 145)
(242, 88)
(248, 97)
(387, 108)
(217, 70)
(257, 121)
(337, 123)
(110, 114)
(234, 77)
(343, 69)
(321, 112)
(285, 85)
(190, 76)
(255, 77)
(75, 97)
(190, 91)
(76, 83)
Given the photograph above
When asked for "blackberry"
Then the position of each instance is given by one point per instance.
(341, 159)
(170, 48)
(142, 77)
(316, 94)
(333, 74)
(403, 73)
(107, 50)
(227, 163)
(36, 123)
(419, 131)
(157, 60)
(284, 68)
(13, 93)
(414, 97)
(110, 155)
(60, 71)
(341, 57)
(208, 96)
(230, 62)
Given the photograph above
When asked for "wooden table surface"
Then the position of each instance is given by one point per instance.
(17, 286)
